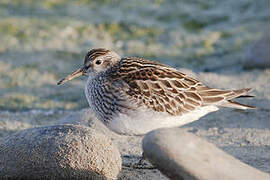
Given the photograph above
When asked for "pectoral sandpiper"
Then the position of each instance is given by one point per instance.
(133, 96)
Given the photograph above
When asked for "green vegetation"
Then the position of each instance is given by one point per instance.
(43, 40)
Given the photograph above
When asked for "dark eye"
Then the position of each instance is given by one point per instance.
(98, 62)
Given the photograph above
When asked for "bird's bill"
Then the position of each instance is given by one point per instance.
(73, 75)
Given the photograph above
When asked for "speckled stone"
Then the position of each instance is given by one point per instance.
(182, 155)
(59, 152)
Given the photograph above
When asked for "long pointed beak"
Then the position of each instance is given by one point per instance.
(73, 75)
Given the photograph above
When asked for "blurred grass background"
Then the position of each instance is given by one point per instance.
(43, 40)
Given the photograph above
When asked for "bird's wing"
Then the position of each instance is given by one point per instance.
(164, 89)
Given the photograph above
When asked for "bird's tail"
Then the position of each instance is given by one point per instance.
(240, 93)
(237, 105)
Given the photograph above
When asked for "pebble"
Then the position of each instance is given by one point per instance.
(182, 155)
(59, 152)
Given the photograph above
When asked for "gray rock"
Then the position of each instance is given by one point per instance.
(258, 55)
(59, 152)
(181, 155)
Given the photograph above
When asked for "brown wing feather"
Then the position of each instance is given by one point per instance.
(164, 89)
(160, 87)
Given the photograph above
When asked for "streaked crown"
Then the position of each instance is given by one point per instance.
(100, 59)
(94, 53)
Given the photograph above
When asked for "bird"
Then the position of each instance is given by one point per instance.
(133, 96)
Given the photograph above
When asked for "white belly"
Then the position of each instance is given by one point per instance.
(141, 121)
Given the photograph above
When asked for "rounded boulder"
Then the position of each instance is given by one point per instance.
(59, 152)
(182, 155)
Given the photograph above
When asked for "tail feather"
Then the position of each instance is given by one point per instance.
(245, 96)
(237, 93)
(225, 97)
(237, 105)
(241, 93)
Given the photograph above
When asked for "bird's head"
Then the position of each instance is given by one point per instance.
(95, 61)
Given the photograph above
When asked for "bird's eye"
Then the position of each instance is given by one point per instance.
(98, 62)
